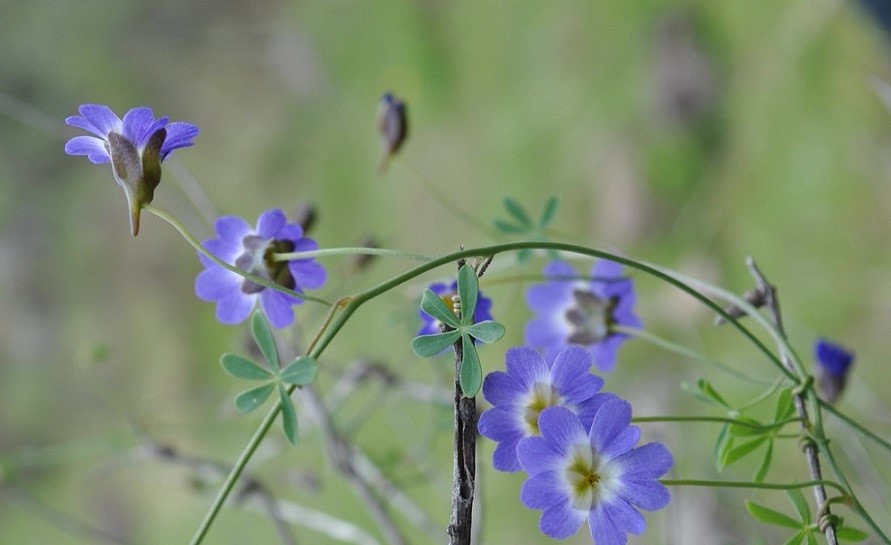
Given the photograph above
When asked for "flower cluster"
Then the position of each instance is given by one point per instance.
(254, 250)
(576, 444)
(570, 310)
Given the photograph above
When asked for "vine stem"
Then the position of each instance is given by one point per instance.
(334, 324)
(718, 419)
(325, 252)
(753, 484)
(799, 399)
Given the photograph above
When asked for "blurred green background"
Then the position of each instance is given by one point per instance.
(687, 133)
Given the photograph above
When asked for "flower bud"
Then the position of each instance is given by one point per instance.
(833, 364)
(392, 124)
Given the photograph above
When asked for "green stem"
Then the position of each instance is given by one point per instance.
(663, 343)
(752, 484)
(856, 425)
(349, 251)
(252, 277)
(764, 395)
(720, 419)
(330, 330)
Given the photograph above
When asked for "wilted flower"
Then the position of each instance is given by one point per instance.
(135, 146)
(531, 385)
(833, 364)
(570, 310)
(579, 473)
(253, 250)
(430, 325)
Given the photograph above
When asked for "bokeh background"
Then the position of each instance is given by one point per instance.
(688, 133)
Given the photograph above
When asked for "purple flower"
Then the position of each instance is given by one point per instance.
(579, 473)
(570, 310)
(531, 385)
(253, 250)
(430, 325)
(135, 146)
(833, 363)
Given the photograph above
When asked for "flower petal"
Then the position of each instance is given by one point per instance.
(499, 425)
(215, 283)
(277, 307)
(308, 274)
(538, 455)
(235, 307)
(604, 531)
(611, 420)
(270, 222)
(562, 428)
(624, 517)
(526, 366)
(561, 521)
(649, 461)
(505, 456)
(605, 352)
(101, 118)
(232, 229)
(570, 374)
(544, 490)
(136, 122)
(500, 389)
(179, 135)
(90, 146)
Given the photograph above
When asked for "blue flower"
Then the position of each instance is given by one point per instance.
(833, 364)
(530, 386)
(579, 473)
(430, 325)
(253, 250)
(570, 310)
(135, 146)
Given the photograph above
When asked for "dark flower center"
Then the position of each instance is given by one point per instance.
(259, 259)
(591, 317)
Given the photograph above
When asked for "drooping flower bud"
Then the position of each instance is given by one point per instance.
(833, 364)
(392, 124)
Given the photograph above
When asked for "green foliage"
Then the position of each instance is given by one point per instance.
(463, 329)
(806, 528)
(301, 372)
(520, 223)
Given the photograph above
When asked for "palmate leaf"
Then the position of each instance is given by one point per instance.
(249, 400)
(785, 407)
(769, 516)
(301, 372)
(850, 534)
(289, 416)
(723, 443)
(796, 496)
(430, 345)
(765, 463)
(516, 210)
(433, 305)
(741, 430)
(266, 342)
(739, 451)
(550, 209)
(488, 331)
(510, 228)
(797, 538)
(468, 290)
(240, 367)
(471, 374)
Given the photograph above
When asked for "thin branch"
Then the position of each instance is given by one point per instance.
(772, 303)
(342, 455)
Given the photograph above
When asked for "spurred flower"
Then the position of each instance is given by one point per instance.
(594, 474)
(570, 310)
(253, 250)
(531, 385)
(135, 146)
